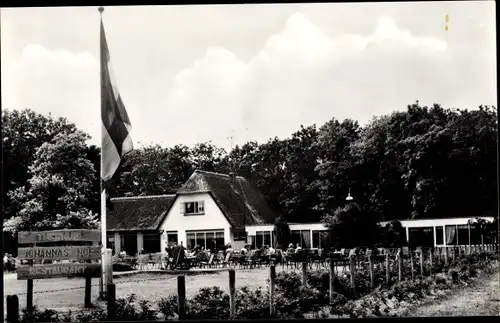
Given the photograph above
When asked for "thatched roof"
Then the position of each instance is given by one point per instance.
(239, 200)
(138, 213)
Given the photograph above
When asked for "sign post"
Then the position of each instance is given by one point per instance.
(81, 256)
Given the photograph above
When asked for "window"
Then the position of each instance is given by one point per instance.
(240, 235)
(110, 244)
(193, 208)
(295, 237)
(152, 242)
(262, 238)
(450, 232)
(130, 243)
(253, 241)
(475, 236)
(172, 237)
(439, 236)
(421, 237)
(463, 234)
(319, 239)
(204, 239)
(301, 237)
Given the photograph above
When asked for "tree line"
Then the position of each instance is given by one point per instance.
(424, 162)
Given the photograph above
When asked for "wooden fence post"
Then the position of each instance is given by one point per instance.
(372, 276)
(272, 278)
(88, 288)
(29, 295)
(304, 274)
(232, 293)
(421, 262)
(400, 264)
(111, 299)
(332, 279)
(12, 309)
(352, 266)
(109, 267)
(387, 273)
(181, 295)
(412, 266)
(431, 256)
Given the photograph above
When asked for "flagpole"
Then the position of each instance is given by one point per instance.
(102, 285)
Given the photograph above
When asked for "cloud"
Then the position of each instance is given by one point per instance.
(300, 76)
(57, 82)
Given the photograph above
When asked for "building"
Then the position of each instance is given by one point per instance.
(208, 208)
(133, 223)
(217, 208)
(443, 232)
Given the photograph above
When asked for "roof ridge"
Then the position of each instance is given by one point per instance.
(215, 173)
(141, 197)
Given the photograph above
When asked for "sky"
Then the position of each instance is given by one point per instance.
(192, 74)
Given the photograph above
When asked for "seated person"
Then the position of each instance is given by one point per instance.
(123, 254)
(229, 249)
(272, 251)
(244, 250)
(290, 249)
(298, 248)
(6, 262)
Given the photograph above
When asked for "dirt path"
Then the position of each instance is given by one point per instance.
(481, 299)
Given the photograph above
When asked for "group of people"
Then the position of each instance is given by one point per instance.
(293, 249)
(9, 263)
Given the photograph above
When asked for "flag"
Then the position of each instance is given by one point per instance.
(116, 126)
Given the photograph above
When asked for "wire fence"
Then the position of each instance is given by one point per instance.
(341, 264)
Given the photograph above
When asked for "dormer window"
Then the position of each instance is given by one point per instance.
(193, 208)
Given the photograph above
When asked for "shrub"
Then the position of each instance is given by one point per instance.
(95, 315)
(35, 315)
(453, 274)
(288, 283)
(252, 304)
(209, 303)
(168, 306)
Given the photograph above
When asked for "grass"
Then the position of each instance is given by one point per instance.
(50, 293)
(480, 299)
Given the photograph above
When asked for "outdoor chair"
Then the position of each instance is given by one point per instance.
(250, 260)
(320, 258)
(227, 260)
(200, 259)
(143, 262)
(157, 260)
(218, 258)
(207, 264)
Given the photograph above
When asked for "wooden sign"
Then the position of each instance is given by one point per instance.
(58, 270)
(59, 253)
(59, 235)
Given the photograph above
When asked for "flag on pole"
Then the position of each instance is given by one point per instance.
(116, 126)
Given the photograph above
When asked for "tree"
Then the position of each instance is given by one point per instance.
(299, 197)
(393, 235)
(351, 226)
(152, 170)
(23, 132)
(283, 233)
(334, 165)
(208, 157)
(57, 192)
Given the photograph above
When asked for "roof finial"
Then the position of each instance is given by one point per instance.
(101, 9)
